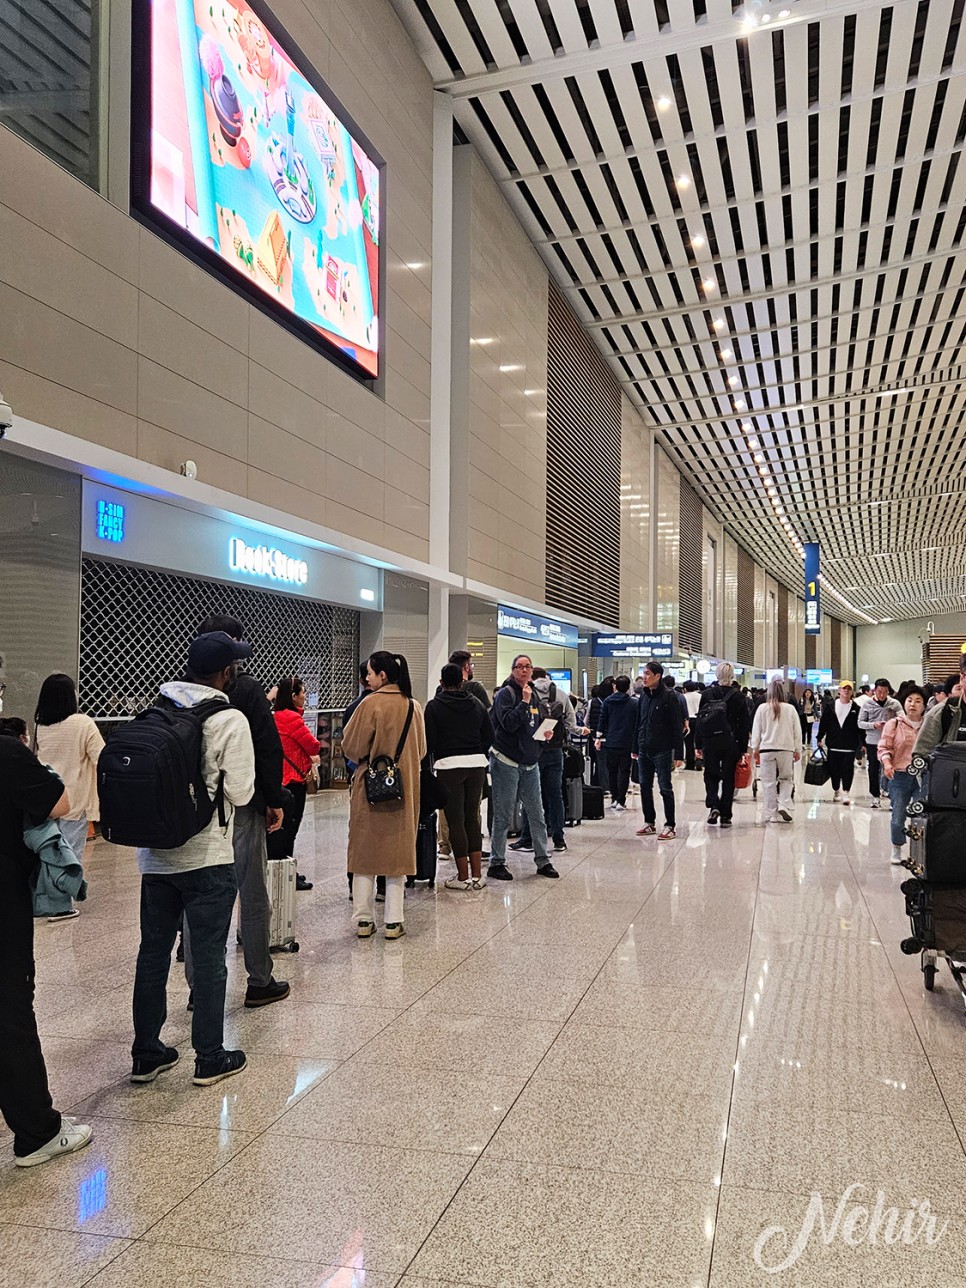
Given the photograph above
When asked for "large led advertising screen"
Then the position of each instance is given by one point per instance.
(243, 157)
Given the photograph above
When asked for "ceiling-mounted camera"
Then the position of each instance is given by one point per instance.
(6, 416)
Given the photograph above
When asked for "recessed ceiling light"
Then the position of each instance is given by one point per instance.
(766, 17)
(663, 103)
(752, 443)
(697, 240)
(683, 181)
(726, 353)
(739, 404)
(733, 381)
(759, 459)
(486, 339)
(785, 13)
(709, 283)
(718, 323)
(513, 366)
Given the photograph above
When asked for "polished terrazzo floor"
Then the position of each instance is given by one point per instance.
(620, 1078)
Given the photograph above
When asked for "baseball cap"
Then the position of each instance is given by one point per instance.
(209, 654)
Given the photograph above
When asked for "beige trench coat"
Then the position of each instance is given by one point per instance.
(382, 838)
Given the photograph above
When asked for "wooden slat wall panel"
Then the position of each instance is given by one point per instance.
(583, 471)
(835, 649)
(782, 634)
(811, 652)
(690, 607)
(941, 657)
(746, 607)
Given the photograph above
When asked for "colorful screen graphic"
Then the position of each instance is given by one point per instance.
(248, 158)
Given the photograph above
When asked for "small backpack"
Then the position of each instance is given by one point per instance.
(712, 720)
(556, 712)
(150, 781)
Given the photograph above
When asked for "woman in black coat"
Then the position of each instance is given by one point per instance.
(840, 736)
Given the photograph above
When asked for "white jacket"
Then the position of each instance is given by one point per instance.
(783, 734)
(226, 747)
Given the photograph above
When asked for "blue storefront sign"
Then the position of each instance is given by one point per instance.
(813, 593)
(538, 630)
(659, 645)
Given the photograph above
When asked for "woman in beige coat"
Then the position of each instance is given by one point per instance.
(382, 838)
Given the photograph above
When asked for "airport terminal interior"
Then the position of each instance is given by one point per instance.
(609, 338)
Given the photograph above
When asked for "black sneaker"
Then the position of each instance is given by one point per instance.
(714, 816)
(265, 994)
(302, 883)
(559, 846)
(548, 870)
(725, 822)
(499, 872)
(214, 1068)
(521, 847)
(147, 1067)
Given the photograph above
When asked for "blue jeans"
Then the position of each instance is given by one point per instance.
(510, 781)
(903, 789)
(658, 762)
(551, 791)
(205, 897)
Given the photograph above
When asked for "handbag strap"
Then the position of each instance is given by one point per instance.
(303, 773)
(402, 739)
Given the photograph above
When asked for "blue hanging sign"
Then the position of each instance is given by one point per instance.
(538, 630)
(813, 592)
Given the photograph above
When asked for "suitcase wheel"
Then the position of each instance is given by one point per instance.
(929, 977)
(911, 946)
(918, 765)
(916, 809)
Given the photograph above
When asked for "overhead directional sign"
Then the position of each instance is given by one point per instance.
(658, 645)
(813, 591)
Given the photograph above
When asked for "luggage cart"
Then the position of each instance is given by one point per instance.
(926, 941)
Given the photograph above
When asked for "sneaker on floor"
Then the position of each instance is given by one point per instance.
(647, 830)
(835, 796)
(69, 915)
(301, 882)
(364, 929)
(770, 818)
(714, 816)
(725, 822)
(521, 847)
(394, 930)
(619, 808)
(478, 883)
(71, 1137)
(846, 799)
(499, 872)
(264, 994)
(145, 1068)
(897, 858)
(559, 846)
(548, 870)
(444, 858)
(454, 883)
(668, 834)
(785, 815)
(876, 802)
(213, 1068)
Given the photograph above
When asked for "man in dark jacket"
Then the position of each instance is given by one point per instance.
(464, 660)
(514, 768)
(723, 730)
(659, 739)
(617, 727)
(262, 813)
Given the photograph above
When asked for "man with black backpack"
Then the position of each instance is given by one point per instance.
(194, 879)
(722, 733)
(551, 763)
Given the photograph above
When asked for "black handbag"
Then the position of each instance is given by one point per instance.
(383, 776)
(433, 793)
(817, 771)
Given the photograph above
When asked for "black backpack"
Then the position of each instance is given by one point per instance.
(556, 712)
(150, 782)
(712, 720)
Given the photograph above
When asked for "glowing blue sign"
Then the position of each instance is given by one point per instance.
(262, 561)
(110, 521)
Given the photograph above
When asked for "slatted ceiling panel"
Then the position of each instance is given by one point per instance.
(690, 554)
(583, 573)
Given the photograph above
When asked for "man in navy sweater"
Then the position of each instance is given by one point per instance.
(618, 723)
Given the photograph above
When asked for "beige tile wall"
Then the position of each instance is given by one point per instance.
(109, 334)
(635, 520)
(730, 597)
(508, 409)
(668, 570)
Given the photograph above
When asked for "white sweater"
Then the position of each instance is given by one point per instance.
(226, 747)
(783, 734)
(71, 749)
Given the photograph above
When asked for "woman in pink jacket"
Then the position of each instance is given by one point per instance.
(895, 754)
(301, 754)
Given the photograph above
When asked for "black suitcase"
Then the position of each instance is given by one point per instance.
(573, 762)
(574, 801)
(937, 849)
(425, 853)
(593, 803)
(938, 916)
(947, 777)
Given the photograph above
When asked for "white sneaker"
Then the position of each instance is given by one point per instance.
(770, 818)
(619, 809)
(71, 1137)
(836, 795)
(897, 855)
(846, 799)
(478, 883)
(454, 883)
(875, 802)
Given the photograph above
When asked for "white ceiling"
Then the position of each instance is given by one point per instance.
(758, 212)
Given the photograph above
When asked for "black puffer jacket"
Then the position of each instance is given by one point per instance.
(248, 696)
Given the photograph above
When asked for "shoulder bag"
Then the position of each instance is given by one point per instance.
(383, 776)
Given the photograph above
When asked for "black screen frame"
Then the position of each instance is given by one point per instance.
(147, 214)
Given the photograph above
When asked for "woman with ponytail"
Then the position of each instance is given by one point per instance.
(382, 837)
(776, 740)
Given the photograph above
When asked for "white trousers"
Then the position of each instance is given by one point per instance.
(777, 769)
(363, 898)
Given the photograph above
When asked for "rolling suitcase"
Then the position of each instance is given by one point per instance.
(573, 801)
(593, 803)
(947, 777)
(281, 892)
(937, 846)
(938, 916)
(425, 853)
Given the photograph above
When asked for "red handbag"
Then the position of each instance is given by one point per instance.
(743, 772)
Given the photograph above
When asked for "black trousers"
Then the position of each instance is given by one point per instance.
(465, 788)
(24, 1094)
(841, 766)
(875, 781)
(281, 844)
(690, 760)
(720, 759)
(619, 774)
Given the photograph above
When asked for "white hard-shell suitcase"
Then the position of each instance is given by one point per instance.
(281, 892)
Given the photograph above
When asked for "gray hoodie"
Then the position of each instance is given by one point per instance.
(871, 712)
(226, 748)
(569, 715)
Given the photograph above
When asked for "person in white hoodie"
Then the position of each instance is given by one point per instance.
(197, 880)
(776, 740)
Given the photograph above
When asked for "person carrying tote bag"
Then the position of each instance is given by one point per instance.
(300, 755)
(382, 835)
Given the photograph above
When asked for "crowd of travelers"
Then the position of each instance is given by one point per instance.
(256, 763)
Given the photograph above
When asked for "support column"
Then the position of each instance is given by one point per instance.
(438, 648)
(442, 320)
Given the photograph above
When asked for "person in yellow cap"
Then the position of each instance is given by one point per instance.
(840, 737)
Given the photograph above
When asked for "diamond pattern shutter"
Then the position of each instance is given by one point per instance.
(690, 634)
(746, 607)
(583, 471)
